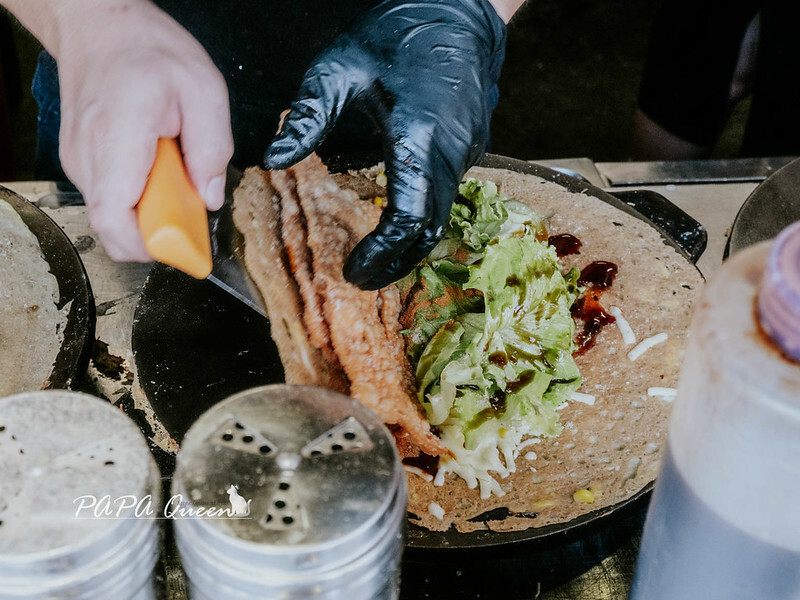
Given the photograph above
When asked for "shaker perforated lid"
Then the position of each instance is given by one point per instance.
(779, 297)
(299, 482)
(61, 454)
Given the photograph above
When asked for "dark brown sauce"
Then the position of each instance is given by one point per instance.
(588, 310)
(424, 462)
(524, 379)
(498, 358)
(482, 417)
(598, 274)
(497, 407)
(565, 243)
(498, 401)
(512, 281)
(557, 380)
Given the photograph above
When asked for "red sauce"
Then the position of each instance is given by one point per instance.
(598, 274)
(424, 462)
(588, 310)
(565, 243)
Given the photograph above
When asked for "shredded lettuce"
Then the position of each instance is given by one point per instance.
(492, 339)
(481, 214)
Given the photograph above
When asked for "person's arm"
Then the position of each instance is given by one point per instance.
(130, 74)
(506, 8)
(427, 72)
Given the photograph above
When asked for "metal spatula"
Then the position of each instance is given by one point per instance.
(179, 232)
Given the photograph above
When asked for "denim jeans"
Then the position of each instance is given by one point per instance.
(45, 90)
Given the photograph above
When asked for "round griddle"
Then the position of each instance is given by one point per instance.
(773, 205)
(195, 345)
(72, 360)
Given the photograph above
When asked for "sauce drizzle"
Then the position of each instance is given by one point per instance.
(424, 462)
(524, 379)
(594, 317)
(598, 274)
(498, 358)
(565, 244)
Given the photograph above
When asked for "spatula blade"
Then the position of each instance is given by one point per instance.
(227, 248)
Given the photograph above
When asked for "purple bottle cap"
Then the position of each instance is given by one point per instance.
(779, 298)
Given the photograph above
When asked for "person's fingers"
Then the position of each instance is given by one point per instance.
(358, 269)
(411, 216)
(375, 254)
(118, 229)
(111, 199)
(405, 262)
(118, 182)
(328, 86)
(206, 138)
(359, 273)
(109, 158)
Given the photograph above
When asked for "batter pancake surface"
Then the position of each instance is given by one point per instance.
(31, 325)
(609, 449)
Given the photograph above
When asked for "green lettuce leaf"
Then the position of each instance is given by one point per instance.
(492, 335)
(480, 214)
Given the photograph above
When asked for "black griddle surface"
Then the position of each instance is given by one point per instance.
(69, 368)
(195, 345)
(773, 205)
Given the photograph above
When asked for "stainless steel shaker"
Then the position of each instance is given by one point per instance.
(79, 500)
(289, 492)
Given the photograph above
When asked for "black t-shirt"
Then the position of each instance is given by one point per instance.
(263, 48)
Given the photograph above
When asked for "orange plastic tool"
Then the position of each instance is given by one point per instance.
(172, 215)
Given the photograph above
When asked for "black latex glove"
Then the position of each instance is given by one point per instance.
(427, 72)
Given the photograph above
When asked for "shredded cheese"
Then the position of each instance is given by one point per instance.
(585, 398)
(418, 471)
(436, 510)
(624, 327)
(646, 344)
(663, 392)
(528, 442)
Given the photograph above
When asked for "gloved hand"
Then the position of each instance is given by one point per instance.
(427, 72)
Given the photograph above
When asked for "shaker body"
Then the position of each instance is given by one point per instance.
(322, 491)
(723, 521)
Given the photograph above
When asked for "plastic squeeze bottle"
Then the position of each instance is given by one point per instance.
(724, 519)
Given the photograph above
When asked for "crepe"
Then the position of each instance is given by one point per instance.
(608, 450)
(31, 325)
(300, 222)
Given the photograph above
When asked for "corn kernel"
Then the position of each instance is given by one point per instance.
(502, 432)
(583, 496)
(379, 201)
(543, 504)
(381, 179)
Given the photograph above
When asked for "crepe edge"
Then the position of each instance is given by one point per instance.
(261, 221)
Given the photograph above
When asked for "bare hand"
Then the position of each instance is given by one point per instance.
(130, 74)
